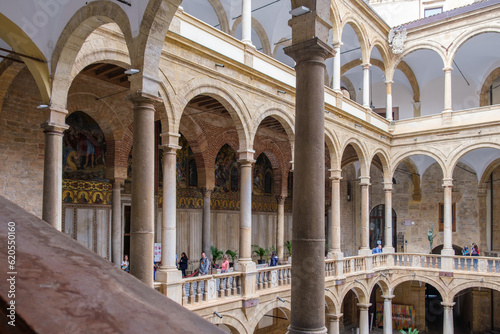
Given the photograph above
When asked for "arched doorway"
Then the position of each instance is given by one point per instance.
(377, 226)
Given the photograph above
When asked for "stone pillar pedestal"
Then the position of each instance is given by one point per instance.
(448, 318)
(333, 325)
(366, 85)
(388, 247)
(246, 161)
(206, 240)
(365, 215)
(116, 229)
(388, 314)
(364, 322)
(52, 168)
(142, 215)
(447, 89)
(280, 231)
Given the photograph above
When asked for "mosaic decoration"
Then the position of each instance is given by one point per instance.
(262, 176)
(226, 170)
(187, 175)
(403, 316)
(83, 149)
(86, 192)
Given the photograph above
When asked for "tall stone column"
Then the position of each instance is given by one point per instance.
(388, 314)
(388, 104)
(447, 89)
(52, 168)
(245, 262)
(206, 240)
(364, 327)
(388, 247)
(447, 233)
(246, 21)
(448, 318)
(335, 230)
(333, 326)
(116, 230)
(142, 215)
(365, 215)
(366, 85)
(336, 67)
(307, 316)
(280, 231)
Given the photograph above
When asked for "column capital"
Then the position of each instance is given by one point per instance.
(334, 317)
(364, 306)
(447, 305)
(389, 82)
(366, 66)
(388, 297)
(335, 174)
(140, 98)
(364, 180)
(54, 128)
(207, 192)
(281, 199)
(388, 186)
(447, 182)
(169, 149)
(170, 138)
(447, 69)
(246, 156)
(312, 49)
(337, 45)
(118, 181)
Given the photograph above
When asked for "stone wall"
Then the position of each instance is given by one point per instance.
(22, 144)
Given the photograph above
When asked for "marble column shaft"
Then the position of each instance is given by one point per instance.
(335, 230)
(447, 89)
(246, 210)
(447, 217)
(448, 318)
(246, 21)
(364, 321)
(365, 214)
(388, 314)
(366, 85)
(206, 240)
(169, 208)
(116, 230)
(336, 68)
(142, 213)
(388, 216)
(52, 173)
(388, 104)
(308, 241)
(280, 231)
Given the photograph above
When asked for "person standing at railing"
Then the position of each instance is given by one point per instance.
(224, 265)
(378, 249)
(183, 263)
(465, 251)
(274, 260)
(204, 264)
(474, 252)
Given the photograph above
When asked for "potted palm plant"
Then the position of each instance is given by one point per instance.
(260, 252)
(288, 246)
(216, 254)
(232, 254)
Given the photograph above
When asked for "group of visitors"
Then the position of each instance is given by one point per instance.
(474, 251)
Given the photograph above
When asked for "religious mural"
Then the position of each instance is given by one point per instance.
(84, 149)
(226, 170)
(262, 176)
(187, 175)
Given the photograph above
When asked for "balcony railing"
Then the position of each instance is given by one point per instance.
(211, 287)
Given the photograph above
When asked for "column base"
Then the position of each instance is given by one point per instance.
(335, 254)
(447, 252)
(388, 250)
(365, 252)
(306, 331)
(245, 266)
(172, 280)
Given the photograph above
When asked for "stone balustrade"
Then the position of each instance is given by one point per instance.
(272, 277)
(206, 288)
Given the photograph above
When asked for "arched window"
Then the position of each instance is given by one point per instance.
(377, 226)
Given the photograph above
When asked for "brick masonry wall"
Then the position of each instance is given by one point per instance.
(22, 144)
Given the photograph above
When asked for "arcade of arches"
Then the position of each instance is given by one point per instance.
(207, 157)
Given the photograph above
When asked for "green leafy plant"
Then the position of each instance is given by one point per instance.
(260, 252)
(410, 331)
(216, 253)
(232, 254)
(288, 246)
